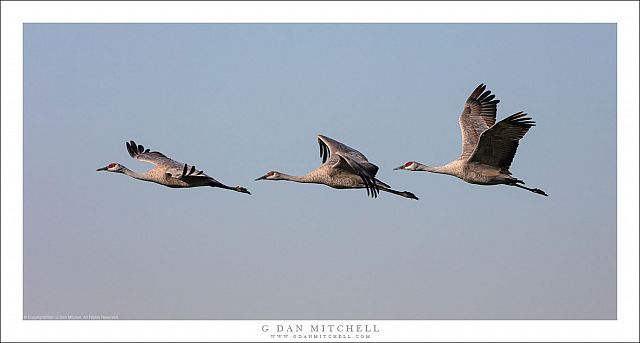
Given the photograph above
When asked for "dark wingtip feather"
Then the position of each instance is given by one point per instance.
(184, 170)
(131, 150)
(476, 92)
(484, 95)
(323, 149)
(324, 152)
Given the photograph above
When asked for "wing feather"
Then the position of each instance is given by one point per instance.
(329, 146)
(172, 168)
(478, 115)
(342, 157)
(497, 146)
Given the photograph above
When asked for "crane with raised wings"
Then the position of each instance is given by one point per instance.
(488, 147)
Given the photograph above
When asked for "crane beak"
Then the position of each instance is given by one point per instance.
(101, 169)
(397, 168)
(261, 178)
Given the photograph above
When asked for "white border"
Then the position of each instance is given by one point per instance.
(14, 14)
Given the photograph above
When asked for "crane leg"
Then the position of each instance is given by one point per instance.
(402, 194)
(237, 188)
(534, 190)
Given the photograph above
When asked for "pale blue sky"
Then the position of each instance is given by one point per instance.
(240, 100)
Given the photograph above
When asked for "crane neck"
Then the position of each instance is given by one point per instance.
(438, 170)
(308, 178)
(129, 172)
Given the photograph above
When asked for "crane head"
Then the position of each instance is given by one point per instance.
(112, 167)
(411, 165)
(272, 175)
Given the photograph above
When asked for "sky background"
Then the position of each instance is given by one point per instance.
(240, 100)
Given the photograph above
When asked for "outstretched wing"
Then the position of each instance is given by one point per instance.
(329, 146)
(497, 145)
(478, 115)
(172, 168)
(139, 153)
(348, 159)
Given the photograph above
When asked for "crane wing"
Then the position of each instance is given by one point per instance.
(353, 167)
(497, 145)
(138, 152)
(329, 147)
(186, 173)
(172, 168)
(478, 115)
(342, 157)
